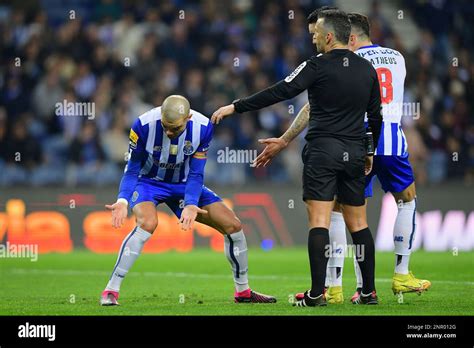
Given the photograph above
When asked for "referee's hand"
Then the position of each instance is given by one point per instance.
(222, 112)
(272, 148)
(369, 160)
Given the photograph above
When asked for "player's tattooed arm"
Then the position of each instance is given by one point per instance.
(275, 145)
(299, 123)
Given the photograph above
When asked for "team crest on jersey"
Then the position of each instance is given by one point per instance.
(135, 196)
(188, 148)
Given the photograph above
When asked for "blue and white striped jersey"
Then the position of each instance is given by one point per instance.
(166, 159)
(391, 72)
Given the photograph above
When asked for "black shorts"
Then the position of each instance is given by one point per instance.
(334, 167)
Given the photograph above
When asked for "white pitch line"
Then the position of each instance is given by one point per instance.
(68, 272)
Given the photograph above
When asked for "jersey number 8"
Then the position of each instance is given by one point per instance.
(385, 81)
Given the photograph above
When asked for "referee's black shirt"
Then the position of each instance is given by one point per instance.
(341, 87)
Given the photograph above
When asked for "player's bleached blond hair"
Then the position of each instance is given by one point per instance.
(175, 108)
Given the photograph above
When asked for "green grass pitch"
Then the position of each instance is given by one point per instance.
(200, 283)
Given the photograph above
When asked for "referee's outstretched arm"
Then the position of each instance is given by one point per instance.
(298, 81)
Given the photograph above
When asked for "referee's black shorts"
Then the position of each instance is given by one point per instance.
(334, 167)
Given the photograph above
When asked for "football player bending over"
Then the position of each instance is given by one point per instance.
(168, 147)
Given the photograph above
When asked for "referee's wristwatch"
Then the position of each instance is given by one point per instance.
(369, 142)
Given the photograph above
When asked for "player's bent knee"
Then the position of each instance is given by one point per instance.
(233, 226)
(149, 223)
(407, 195)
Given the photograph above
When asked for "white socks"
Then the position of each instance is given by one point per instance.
(129, 251)
(401, 264)
(338, 241)
(235, 248)
(403, 235)
(358, 273)
(335, 277)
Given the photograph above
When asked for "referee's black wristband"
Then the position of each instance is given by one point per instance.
(369, 142)
(236, 106)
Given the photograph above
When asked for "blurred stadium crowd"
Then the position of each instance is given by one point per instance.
(127, 56)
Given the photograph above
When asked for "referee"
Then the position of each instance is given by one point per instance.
(342, 87)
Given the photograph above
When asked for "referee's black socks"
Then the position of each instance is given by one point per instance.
(365, 255)
(318, 242)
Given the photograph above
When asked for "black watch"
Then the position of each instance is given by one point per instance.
(369, 142)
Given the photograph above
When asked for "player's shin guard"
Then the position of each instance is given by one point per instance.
(365, 249)
(338, 242)
(318, 242)
(235, 248)
(131, 248)
(404, 234)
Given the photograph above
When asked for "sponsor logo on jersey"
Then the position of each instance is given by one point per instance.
(173, 149)
(295, 73)
(398, 239)
(168, 165)
(157, 149)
